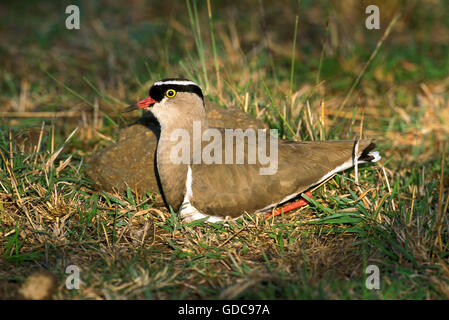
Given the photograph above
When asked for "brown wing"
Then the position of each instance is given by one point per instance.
(232, 189)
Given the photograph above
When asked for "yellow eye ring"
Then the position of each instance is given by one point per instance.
(170, 93)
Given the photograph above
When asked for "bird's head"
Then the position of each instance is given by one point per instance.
(171, 98)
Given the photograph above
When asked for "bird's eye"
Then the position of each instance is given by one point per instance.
(170, 93)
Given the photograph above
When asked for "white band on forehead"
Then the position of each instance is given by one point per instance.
(178, 82)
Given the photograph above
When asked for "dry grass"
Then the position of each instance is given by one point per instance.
(52, 217)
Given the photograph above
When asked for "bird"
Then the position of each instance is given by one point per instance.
(202, 177)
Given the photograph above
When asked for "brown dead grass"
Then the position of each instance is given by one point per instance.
(124, 257)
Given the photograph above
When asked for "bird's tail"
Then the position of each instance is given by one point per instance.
(367, 154)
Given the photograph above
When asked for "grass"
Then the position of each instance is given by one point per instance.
(396, 217)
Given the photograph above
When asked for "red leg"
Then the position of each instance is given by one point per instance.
(291, 206)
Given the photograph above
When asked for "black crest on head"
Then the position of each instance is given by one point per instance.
(159, 88)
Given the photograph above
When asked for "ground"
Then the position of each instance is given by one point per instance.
(313, 72)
